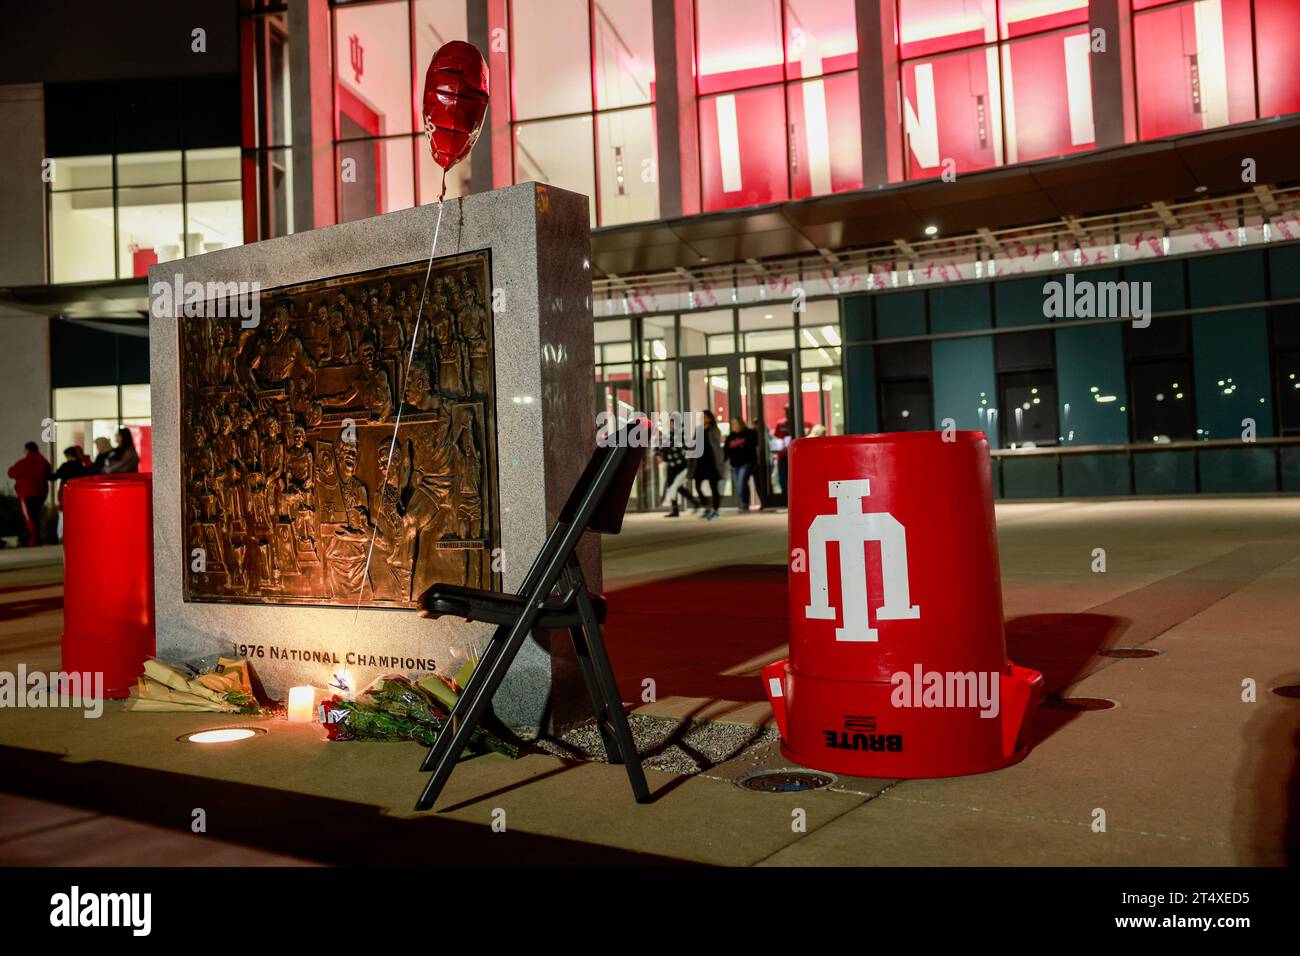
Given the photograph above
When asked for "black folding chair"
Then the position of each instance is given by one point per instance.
(553, 595)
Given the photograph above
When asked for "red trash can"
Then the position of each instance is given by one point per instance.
(898, 664)
(108, 624)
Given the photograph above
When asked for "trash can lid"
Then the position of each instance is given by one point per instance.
(887, 438)
(132, 485)
(105, 481)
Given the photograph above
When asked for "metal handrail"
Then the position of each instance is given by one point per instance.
(1143, 447)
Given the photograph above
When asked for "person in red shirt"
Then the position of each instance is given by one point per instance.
(31, 474)
(782, 436)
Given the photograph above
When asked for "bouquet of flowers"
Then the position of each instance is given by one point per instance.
(223, 686)
(396, 708)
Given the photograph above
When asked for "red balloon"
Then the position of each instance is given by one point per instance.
(455, 101)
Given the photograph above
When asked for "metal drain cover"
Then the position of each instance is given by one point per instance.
(784, 781)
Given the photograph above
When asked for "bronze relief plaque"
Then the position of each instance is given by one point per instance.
(295, 490)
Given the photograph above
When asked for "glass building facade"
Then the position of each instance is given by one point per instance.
(769, 103)
(1203, 399)
(138, 173)
(776, 367)
(786, 65)
(100, 379)
(1206, 398)
(765, 108)
(582, 108)
(380, 53)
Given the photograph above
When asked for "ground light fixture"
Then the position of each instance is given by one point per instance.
(220, 735)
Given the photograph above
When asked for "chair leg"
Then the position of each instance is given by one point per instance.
(490, 653)
(609, 691)
(598, 702)
(467, 713)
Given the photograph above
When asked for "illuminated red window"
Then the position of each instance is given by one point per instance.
(1277, 50)
(821, 36)
(372, 101)
(372, 75)
(551, 66)
(1048, 86)
(825, 135)
(625, 174)
(623, 53)
(382, 177)
(558, 151)
(743, 148)
(582, 94)
(738, 48)
(926, 27)
(1022, 17)
(762, 140)
(952, 115)
(1195, 67)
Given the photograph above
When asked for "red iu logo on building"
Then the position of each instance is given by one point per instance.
(358, 55)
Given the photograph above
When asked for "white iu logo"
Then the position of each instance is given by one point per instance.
(852, 530)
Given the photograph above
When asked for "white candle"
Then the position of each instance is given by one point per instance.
(302, 701)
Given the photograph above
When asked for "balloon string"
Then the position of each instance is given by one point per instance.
(442, 195)
(397, 423)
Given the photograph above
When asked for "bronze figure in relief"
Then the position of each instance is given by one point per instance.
(296, 489)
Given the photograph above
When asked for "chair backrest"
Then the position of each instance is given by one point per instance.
(601, 491)
(609, 475)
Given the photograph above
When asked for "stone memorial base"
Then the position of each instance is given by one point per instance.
(283, 555)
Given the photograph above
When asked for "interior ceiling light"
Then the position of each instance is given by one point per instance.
(932, 230)
(222, 735)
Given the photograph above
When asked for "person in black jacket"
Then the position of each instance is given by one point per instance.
(677, 483)
(709, 466)
(103, 448)
(742, 456)
(74, 466)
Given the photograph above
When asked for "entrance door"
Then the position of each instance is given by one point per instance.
(614, 397)
(772, 407)
(712, 383)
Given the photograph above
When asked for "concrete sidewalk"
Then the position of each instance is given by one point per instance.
(45, 555)
(1180, 771)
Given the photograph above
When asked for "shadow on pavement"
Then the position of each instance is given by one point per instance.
(305, 826)
(1266, 813)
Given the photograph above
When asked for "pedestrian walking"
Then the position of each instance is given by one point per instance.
(708, 468)
(677, 473)
(31, 474)
(742, 456)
